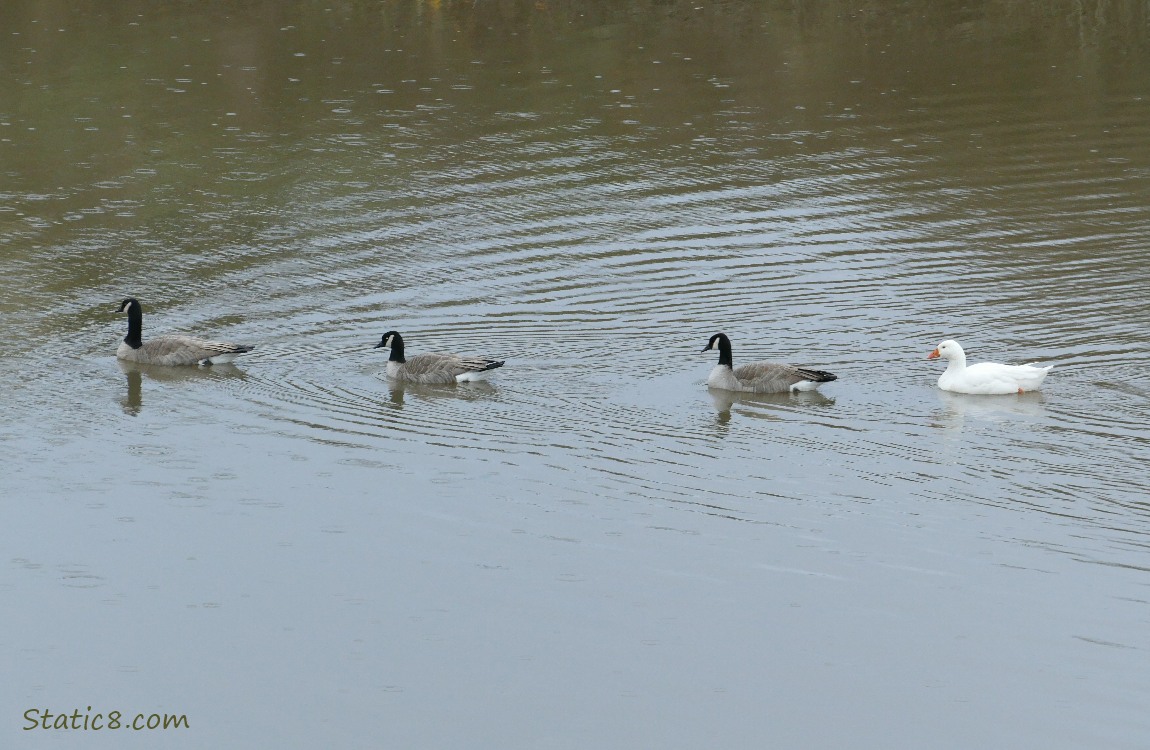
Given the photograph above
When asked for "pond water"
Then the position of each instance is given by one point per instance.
(592, 549)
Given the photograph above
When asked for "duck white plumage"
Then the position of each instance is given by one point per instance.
(170, 350)
(985, 378)
(759, 377)
(431, 368)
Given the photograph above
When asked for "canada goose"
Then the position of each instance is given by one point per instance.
(433, 369)
(760, 377)
(985, 377)
(170, 350)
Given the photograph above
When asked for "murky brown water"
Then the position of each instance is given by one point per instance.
(591, 550)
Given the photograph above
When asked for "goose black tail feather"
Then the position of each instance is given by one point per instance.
(818, 376)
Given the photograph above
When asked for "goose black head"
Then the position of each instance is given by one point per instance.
(718, 341)
(391, 338)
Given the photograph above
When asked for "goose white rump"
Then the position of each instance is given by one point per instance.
(984, 378)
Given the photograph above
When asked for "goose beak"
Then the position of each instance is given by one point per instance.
(933, 355)
(705, 349)
(377, 346)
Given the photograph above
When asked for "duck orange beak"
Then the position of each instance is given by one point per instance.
(933, 355)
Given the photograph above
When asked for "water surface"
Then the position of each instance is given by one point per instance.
(591, 550)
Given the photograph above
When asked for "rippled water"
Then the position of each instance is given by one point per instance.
(591, 549)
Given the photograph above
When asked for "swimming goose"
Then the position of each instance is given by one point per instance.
(986, 378)
(433, 369)
(760, 377)
(170, 350)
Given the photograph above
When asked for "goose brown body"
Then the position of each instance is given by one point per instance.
(760, 377)
(170, 350)
(433, 368)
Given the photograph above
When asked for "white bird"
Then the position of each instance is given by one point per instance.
(985, 378)
(170, 350)
(433, 369)
(760, 377)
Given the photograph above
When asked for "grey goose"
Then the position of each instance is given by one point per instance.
(433, 369)
(759, 377)
(170, 350)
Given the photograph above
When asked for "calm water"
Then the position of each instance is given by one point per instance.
(591, 550)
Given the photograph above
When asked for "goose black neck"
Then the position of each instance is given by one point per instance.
(135, 327)
(397, 349)
(725, 353)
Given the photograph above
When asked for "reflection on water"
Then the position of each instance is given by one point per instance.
(136, 373)
(724, 400)
(589, 190)
(467, 391)
(958, 407)
(134, 401)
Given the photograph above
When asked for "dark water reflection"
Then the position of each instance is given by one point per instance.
(591, 550)
(173, 377)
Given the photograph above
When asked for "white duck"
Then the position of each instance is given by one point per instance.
(985, 377)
